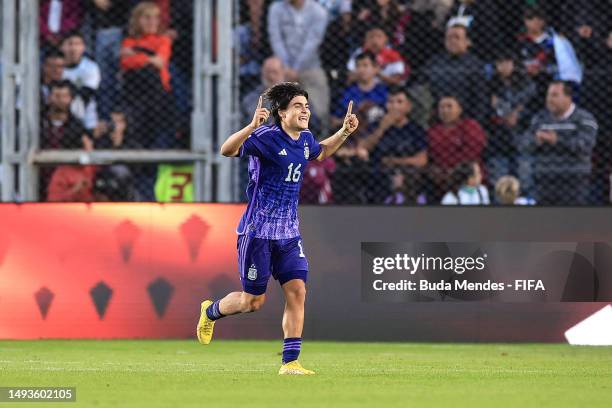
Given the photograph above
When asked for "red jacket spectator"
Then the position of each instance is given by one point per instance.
(71, 183)
(459, 142)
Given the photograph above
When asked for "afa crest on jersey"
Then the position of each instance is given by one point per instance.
(252, 275)
(306, 151)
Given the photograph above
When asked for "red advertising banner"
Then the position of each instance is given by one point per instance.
(112, 270)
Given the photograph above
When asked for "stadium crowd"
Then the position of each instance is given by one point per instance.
(459, 101)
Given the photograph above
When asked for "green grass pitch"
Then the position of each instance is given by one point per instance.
(180, 374)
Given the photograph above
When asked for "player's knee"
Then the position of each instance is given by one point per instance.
(298, 294)
(252, 304)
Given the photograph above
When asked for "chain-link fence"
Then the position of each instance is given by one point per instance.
(116, 75)
(459, 102)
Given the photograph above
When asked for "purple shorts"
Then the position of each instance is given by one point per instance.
(259, 258)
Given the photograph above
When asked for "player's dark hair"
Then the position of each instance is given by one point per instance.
(366, 55)
(280, 95)
(568, 90)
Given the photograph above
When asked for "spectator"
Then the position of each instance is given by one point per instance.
(458, 72)
(71, 184)
(454, 140)
(438, 8)
(352, 168)
(508, 191)
(56, 19)
(84, 74)
(340, 39)
(60, 129)
(388, 14)
(481, 18)
(115, 133)
(296, 29)
(367, 93)
(272, 73)
(424, 35)
(253, 42)
(393, 68)
(108, 17)
(536, 50)
(597, 90)
(145, 55)
(116, 182)
(467, 188)
(509, 92)
(397, 142)
(561, 140)
(546, 54)
(53, 71)
(316, 186)
(404, 188)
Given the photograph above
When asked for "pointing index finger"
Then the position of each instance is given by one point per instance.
(260, 103)
(350, 108)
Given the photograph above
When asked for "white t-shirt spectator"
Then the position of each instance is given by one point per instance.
(85, 76)
(467, 196)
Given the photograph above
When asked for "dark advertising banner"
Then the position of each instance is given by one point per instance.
(492, 272)
(109, 270)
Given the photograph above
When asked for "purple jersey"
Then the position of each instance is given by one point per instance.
(276, 167)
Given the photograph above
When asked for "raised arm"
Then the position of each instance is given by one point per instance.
(231, 147)
(332, 143)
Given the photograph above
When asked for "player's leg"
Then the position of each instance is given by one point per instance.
(240, 302)
(254, 268)
(290, 267)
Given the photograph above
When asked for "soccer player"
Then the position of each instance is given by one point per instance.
(269, 241)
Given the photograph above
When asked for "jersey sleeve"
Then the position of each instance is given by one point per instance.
(255, 144)
(315, 147)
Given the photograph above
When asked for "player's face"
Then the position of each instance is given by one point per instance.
(297, 114)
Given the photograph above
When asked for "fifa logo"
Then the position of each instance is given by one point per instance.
(252, 275)
(306, 151)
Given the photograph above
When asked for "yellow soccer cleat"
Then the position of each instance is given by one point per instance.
(205, 325)
(294, 368)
